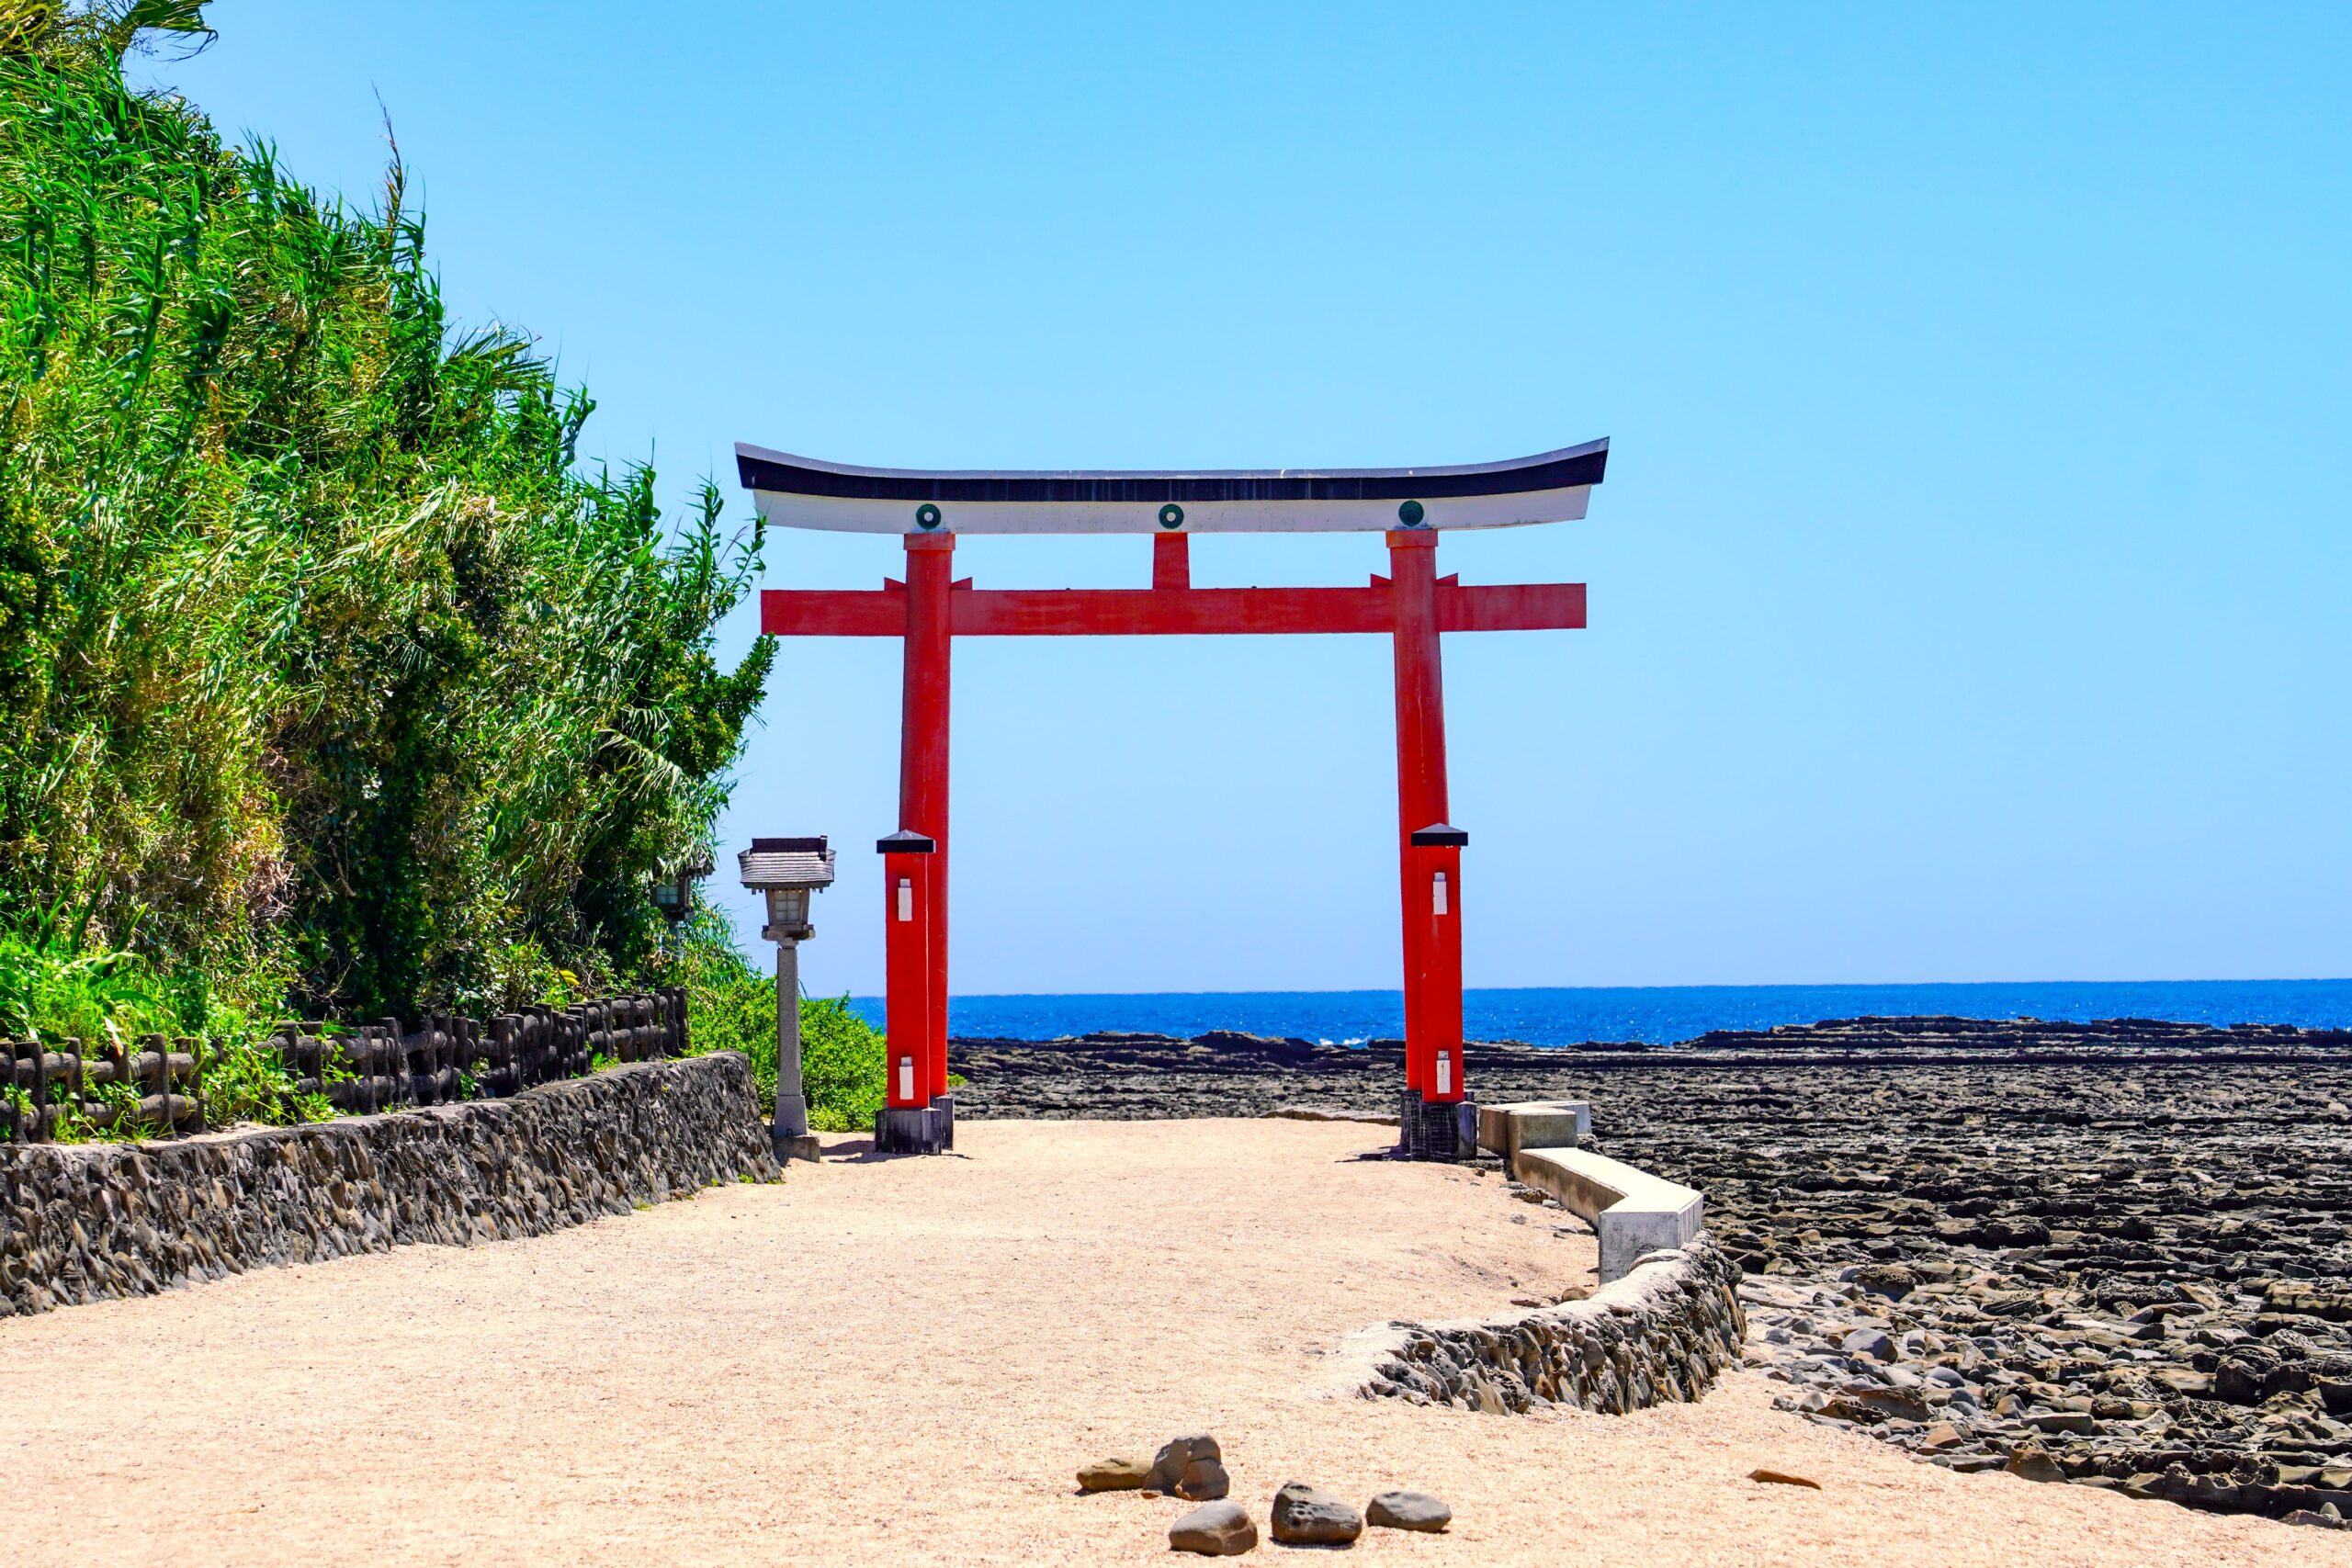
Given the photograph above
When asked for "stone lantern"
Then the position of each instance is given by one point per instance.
(674, 893)
(787, 871)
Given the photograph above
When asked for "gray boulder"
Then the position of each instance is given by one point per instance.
(1189, 1467)
(1308, 1516)
(1871, 1342)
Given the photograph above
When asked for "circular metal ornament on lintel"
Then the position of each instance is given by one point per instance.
(1171, 516)
(1410, 514)
(926, 515)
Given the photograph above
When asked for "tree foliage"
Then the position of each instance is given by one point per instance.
(326, 675)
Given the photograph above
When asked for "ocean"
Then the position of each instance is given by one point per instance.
(1658, 1014)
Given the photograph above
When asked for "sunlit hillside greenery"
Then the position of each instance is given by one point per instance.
(329, 683)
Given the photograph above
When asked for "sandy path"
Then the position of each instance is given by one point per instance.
(903, 1361)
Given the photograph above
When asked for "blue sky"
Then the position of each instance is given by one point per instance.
(1968, 592)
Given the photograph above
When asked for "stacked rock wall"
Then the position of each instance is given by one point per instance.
(1659, 1336)
(82, 1222)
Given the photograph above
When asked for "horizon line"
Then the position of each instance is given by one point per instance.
(1702, 986)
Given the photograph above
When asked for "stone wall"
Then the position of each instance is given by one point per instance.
(1659, 1336)
(82, 1222)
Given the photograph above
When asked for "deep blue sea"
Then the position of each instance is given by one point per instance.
(1660, 1014)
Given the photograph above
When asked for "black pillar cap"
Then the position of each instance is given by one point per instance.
(904, 842)
(1440, 835)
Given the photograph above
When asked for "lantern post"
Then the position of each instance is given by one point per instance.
(787, 871)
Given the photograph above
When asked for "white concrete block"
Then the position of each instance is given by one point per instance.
(1533, 1125)
(1633, 1211)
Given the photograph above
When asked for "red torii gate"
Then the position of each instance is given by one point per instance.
(932, 608)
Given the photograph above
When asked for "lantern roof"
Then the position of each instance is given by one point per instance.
(786, 862)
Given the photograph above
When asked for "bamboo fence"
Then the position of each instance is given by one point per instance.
(155, 1086)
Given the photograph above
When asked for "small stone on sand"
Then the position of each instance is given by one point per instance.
(1214, 1529)
(1782, 1478)
(1408, 1511)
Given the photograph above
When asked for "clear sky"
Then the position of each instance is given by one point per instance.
(1969, 591)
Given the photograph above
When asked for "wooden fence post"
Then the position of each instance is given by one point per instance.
(13, 1053)
(188, 1068)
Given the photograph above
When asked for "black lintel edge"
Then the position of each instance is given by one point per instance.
(787, 478)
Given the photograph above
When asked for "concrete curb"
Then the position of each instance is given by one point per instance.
(1633, 1211)
(1533, 1124)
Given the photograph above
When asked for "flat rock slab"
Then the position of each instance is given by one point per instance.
(1408, 1511)
(1113, 1475)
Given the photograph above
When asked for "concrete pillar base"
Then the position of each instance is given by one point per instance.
(1436, 1129)
(789, 1146)
(913, 1130)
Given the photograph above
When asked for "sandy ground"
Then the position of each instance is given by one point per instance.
(903, 1361)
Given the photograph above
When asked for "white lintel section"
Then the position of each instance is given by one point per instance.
(856, 514)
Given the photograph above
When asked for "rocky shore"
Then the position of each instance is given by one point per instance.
(2114, 1254)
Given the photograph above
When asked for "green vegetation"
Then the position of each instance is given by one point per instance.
(731, 1007)
(330, 684)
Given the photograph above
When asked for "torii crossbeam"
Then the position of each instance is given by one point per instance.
(1412, 606)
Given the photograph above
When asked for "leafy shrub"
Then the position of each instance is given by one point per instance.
(51, 990)
(730, 1006)
(54, 986)
(842, 1066)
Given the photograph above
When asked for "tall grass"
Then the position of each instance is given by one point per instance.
(329, 682)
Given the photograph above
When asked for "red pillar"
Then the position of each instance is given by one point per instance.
(1433, 943)
(1435, 854)
(907, 903)
(922, 770)
(1171, 560)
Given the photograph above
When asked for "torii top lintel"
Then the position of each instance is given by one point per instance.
(803, 492)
